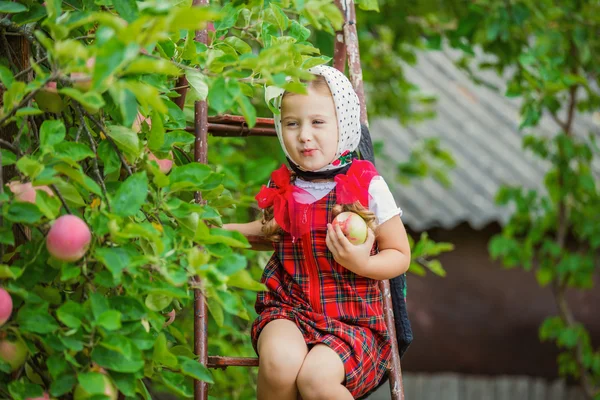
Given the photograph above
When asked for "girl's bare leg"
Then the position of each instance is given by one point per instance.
(322, 375)
(281, 350)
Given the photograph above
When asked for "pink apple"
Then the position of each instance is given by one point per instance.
(82, 80)
(13, 353)
(164, 164)
(68, 238)
(353, 227)
(6, 306)
(26, 192)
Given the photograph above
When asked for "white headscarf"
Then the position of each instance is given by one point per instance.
(347, 109)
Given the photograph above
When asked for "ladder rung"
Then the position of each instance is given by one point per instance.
(224, 362)
(237, 130)
(238, 120)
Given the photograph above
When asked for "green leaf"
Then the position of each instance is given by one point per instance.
(147, 65)
(29, 166)
(230, 238)
(126, 383)
(92, 101)
(22, 389)
(161, 353)
(92, 382)
(8, 272)
(130, 308)
(111, 56)
(368, 5)
(70, 194)
(158, 302)
(131, 195)
(195, 369)
(78, 176)
(115, 259)
(36, 319)
(109, 157)
(126, 101)
(110, 320)
(48, 205)
(177, 138)
(218, 96)
(178, 383)
(23, 212)
(6, 76)
(127, 9)
(8, 157)
(71, 314)
(198, 82)
(189, 176)
(238, 44)
(157, 133)
(118, 353)
(216, 310)
(98, 304)
(72, 151)
(25, 111)
(7, 236)
(52, 132)
(231, 264)
(192, 18)
(9, 7)
(126, 139)
(243, 280)
(57, 365)
(63, 384)
(248, 110)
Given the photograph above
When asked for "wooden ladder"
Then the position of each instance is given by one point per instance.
(345, 50)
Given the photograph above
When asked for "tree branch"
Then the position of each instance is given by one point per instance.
(62, 200)
(95, 150)
(101, 127)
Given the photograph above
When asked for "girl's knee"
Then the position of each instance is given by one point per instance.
(280, 369)
(314, 385)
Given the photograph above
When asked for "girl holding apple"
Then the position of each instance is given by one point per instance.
(321, 331)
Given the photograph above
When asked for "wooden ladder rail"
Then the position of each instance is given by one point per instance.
(346, 43)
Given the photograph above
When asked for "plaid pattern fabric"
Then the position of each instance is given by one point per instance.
(328, 303)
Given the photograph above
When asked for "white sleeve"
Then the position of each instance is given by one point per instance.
(381, 200)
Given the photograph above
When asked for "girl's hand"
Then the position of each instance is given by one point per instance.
(350, 256)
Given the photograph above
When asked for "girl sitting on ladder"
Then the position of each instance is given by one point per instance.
(321, 331)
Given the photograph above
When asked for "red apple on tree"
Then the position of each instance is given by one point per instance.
(164, 164)
(353, 227)
(82, 80)
(26, 192)
(68, 238)
(14, 353)
(6, 306)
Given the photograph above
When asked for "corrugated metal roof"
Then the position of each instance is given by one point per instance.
(479, 126)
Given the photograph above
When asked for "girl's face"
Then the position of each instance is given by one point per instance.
(309, 128)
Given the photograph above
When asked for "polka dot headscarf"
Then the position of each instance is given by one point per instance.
(348, 115)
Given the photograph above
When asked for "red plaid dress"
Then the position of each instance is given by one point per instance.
(328, 303)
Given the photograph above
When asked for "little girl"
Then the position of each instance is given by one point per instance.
(321, 333)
